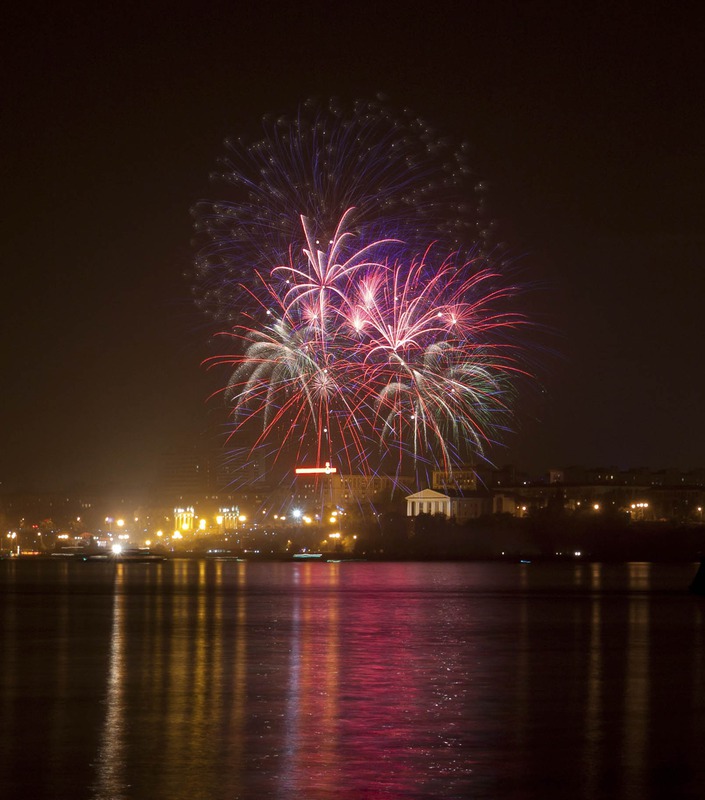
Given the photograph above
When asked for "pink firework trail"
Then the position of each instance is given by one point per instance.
(360, 355)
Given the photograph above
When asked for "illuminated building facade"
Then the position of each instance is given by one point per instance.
(184, 519)
(361, 489)
(449, 504)
(460, 479)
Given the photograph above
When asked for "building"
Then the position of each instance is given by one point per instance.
(463, 480)
(348, 490)
(453, 505)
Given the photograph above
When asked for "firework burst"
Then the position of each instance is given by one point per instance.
(402, 180)
(367, 324)
(361, 356)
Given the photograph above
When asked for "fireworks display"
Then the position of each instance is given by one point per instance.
(367, 325)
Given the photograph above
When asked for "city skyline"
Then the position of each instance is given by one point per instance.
(588, 132)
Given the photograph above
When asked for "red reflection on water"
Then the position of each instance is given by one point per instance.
(368, 688)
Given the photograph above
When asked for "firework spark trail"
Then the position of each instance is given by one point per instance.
(356, 338)
(361, 356)
(323, 274)
(402, 179)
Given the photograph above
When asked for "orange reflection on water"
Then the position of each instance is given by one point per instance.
(594, 699)
(637, 679)
(314, 683)
(111, 781)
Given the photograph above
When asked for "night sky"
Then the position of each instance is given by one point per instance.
(588, 125)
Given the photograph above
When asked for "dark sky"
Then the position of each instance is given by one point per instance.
(587, 120)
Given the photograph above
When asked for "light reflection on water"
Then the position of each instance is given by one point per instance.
(192, 679)
(110, 763)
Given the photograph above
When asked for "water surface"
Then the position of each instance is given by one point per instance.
(194, 679)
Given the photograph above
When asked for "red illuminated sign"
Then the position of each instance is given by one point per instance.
(327, 470)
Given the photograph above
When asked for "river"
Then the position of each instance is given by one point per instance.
(191, 679)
